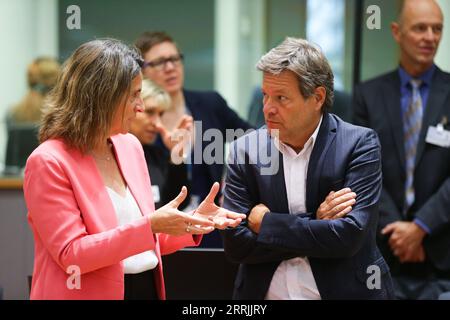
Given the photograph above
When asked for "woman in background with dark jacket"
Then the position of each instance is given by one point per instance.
(167, 176)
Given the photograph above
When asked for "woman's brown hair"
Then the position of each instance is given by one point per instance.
(92, 85)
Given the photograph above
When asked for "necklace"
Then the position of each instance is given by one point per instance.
(104, 158)
(107, 158)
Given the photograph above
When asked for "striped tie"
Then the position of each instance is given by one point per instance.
(412, 123)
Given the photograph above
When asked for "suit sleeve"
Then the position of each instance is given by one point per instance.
(240, 243)
(170, 244)
(330, 238)
(55, 216)
(360, 116)
(435, 213)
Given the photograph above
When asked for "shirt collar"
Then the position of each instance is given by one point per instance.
(426, 77)
(309, 145)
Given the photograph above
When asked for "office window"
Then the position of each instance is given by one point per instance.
(325, 26)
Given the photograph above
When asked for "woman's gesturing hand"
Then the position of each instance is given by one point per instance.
(168, 219)
(221, 217)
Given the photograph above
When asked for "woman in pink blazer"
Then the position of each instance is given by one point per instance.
(88, 192)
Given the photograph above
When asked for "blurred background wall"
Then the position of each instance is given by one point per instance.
(222, 39)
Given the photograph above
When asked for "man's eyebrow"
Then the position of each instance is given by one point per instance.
(277, 90)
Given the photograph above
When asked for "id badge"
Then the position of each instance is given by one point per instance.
(438, 136)
(156, 195)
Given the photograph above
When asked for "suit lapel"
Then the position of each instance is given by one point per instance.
(277, 182)
(325, 137)
(94, 187)
(393, 110)
(125, 165)
(436, 99)
(194, 107)
(191, 103)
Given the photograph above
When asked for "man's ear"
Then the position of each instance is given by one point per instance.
(320, 94)
(395, 29)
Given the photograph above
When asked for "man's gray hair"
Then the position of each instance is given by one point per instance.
(307, 61)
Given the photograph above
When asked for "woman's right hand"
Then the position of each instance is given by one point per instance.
(168, 219)
(181, 138)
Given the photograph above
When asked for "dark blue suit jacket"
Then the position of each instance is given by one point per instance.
(376, 105)
(214, 113)
(339, 251)
(212, 110)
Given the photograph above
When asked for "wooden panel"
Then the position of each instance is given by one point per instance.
(11, 183)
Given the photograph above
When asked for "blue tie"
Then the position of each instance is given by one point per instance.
(412, 123)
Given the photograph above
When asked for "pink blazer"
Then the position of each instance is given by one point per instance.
(74, 223)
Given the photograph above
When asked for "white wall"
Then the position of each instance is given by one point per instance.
(443, 55)
(239, 43)
(28, 28)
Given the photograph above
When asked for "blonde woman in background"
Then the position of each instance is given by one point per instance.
(22, 120)
(167, 176)
(42, 75)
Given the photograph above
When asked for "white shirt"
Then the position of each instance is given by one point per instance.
(293, 279)
(128, 211)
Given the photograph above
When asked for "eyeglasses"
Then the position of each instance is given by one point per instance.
(160, 64)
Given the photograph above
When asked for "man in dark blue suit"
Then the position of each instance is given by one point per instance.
(404, 106)
(164, 66)
(305, 237)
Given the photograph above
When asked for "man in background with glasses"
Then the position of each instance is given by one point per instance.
(164, 66)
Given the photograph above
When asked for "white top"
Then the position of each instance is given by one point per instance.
(128, 211)
(293, 279)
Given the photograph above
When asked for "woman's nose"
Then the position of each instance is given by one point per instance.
(139, 107)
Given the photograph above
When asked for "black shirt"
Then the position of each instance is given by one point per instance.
(166, 176)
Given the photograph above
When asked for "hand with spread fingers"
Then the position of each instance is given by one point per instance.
(221, 217)
(168, 219)
(180, 139)
(336, 205)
